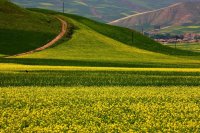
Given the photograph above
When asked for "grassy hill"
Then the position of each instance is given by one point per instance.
(92, 43)
(97, 44)
(22, 30)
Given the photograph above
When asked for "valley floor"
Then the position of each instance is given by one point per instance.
(98, 80)
(37, 98)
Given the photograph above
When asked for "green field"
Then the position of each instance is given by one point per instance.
(181, 29)
(187, 46)
(97, 76)
(96, 79)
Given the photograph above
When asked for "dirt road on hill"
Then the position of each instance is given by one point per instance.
(52, 42)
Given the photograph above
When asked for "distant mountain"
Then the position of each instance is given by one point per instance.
(102, 10)
(180, 14)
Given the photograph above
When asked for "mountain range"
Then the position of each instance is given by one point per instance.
(102, 10)
(179, 14)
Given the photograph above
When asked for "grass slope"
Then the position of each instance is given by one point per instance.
(125, 36)
(22, 30)
(97, 44)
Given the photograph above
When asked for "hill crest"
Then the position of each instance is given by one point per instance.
(8, 8)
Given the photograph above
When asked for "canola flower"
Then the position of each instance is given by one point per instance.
(100, 109)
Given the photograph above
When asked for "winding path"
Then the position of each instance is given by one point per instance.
(52, 42)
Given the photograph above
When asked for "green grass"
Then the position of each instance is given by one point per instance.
(99, 109)
(187, 46)
(22, 30)
(182, 29)
(26, 40)
(120, 34)
(113, 46)
(99, 78)
(97, 44)
(16, 75)
(125, 36)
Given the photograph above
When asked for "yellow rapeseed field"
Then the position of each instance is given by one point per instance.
(9, 67)
(100, 109)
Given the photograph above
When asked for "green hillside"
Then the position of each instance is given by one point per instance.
(92, 43)
(22, 30)
(97, 44)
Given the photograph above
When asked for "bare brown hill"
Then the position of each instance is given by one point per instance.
(175, 15)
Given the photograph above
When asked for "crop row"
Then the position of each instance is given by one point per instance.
(99, 78)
